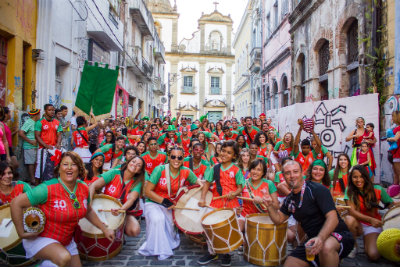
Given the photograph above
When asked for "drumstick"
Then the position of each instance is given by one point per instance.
(343, 207)
(220, 197)
(250, 199)
(183, 208)
(119, 211)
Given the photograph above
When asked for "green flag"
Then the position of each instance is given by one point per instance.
(96, 90)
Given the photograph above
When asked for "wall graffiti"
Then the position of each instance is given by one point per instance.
(55, 101)
(334, 120)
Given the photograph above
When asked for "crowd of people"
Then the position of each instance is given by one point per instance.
(144, 162)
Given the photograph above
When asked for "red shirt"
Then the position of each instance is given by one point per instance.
(19, 187)
(248, 206)
(48, 130)
(61, 216)
(79, 140)
(151, 163)
(252, 134)
(185, 145)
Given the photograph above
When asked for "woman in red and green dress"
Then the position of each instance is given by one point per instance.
(232, 182)
(339, 175)
(283, 149)
(197, 163)
(10, 189)
(318, 173)
(113, 153)
(80, 138)
(257, 187)
(64, 200)
(364, 197)
(161, 189)
(124, 184)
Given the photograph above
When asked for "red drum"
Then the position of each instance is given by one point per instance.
(189, 221)
(308, 125)
(91, 242)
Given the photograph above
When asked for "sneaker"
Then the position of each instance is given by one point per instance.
(207, 259)
(353, 253)
(226, 260)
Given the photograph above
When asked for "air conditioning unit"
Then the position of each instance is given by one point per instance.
(163, 99)
(37, 54)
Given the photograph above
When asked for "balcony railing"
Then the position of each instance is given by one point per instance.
(215, 91)
(147, 68)
(142, 16)
(188, 90)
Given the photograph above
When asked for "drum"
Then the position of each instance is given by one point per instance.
(222, 230)
(387, 242)
(12, 252)
(392, 218)
(265, 242)
(339, 201)
(91, 242)
(189, 221)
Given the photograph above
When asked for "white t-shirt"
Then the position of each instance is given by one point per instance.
(73, 121)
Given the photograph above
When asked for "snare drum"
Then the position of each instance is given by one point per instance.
(91, 242)
(189, 221)
(265, 242)
(12, 252)
(222, 230)
(392, 218)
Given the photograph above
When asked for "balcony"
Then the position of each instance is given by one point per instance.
(188, 90)
(104, 26)
(147, 68)
(159, 50)
(158, 88)
(142, 17)
(255, 60)
(215, 91)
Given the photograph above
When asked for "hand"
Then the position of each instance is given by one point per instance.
(316, 244)
(115, 212)
(267, 200)
(178, 114)
(171, 207)
(67, 124)
(28, 235)
(257, 200)
(33, 142)
(231, 195)
(8, 159)
(49, 147)
(109, 234)
(376, 222)
(201, 203)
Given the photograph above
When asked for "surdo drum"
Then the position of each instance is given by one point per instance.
(189, 221)
(91, 242)
(222, 230)
(392, 218)
(265, 242)
(12, 252)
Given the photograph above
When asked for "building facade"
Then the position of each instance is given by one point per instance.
(241, 45)
(276, 62)
(200, 68)
(18, 55)
(328, 60)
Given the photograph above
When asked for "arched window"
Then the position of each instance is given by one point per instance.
(352, 58)
(285, 91)
(323, 55)
(301, 77)
(267, 98)
(215, 40)
(276, 95)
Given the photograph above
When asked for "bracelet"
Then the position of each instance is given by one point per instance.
(167, 203)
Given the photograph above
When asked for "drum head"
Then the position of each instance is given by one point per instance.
(260, 218)
(217, 217)
(189, 221)
(103, 202)
(8, 233)
(392, 218)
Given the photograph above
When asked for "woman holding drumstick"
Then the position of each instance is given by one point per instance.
(228, 181)
(124, 184)
(160, 190)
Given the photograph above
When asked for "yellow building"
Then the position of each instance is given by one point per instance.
(17, 62)
(392, 23)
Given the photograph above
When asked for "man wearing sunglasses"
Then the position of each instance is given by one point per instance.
(153, 157)
(197, 163)
(311, 204)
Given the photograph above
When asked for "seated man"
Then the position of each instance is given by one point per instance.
(312, 205)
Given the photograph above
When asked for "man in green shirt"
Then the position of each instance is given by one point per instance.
(27, 133)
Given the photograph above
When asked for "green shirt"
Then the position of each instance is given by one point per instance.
(324, 150)
(110, 175)
(271, 187)
(29, 130)
(385, 198)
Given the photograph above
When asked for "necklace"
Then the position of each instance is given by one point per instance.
(72, 194)
(292, 207)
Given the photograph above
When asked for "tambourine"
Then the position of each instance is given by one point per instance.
(34, 220)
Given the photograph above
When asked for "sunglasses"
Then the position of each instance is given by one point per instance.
(76, 203)
(175, 157)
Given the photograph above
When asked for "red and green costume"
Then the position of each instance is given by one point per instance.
(265, 186)
(19, 187)
(48, 130)
(115, 186)
(252, 134)
(152, 162)
(110, 154)
(202, 170)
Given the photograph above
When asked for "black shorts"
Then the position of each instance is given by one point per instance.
(346, 246)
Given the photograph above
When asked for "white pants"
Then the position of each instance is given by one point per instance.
(84, 153)
(161, 237)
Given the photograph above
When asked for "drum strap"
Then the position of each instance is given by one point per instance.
(252, 196)
(248, 135)
(191, 163)
(168, 178)
(341, 184)
(217, 178)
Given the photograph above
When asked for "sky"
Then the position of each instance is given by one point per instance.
(190, 11)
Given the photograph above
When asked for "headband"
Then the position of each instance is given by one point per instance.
(319, 162)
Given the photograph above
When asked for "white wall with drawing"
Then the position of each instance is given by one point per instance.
(334, 120)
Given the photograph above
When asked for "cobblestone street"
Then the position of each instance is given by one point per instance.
(188, 253)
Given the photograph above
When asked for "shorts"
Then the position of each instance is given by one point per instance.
(33, 246)
(346, 246)
(369, 229)
(30, 156)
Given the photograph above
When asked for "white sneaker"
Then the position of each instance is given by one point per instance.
(353, 253)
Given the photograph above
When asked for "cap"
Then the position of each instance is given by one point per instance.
(34, 111)
(193, 127)
(171, 128)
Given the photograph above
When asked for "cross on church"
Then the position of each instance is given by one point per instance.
(216, 3)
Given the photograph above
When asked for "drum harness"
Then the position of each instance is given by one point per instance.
(125, 187)
(258, 206)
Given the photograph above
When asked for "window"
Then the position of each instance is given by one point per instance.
(268, 27)
(215, 86)
(352, 43)
(276, 95)
(285, 91)
(324, 58)
(188, 84)
(215, 40)
(354, 86)
(284, 8)
(214, 116)
(276, 15)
